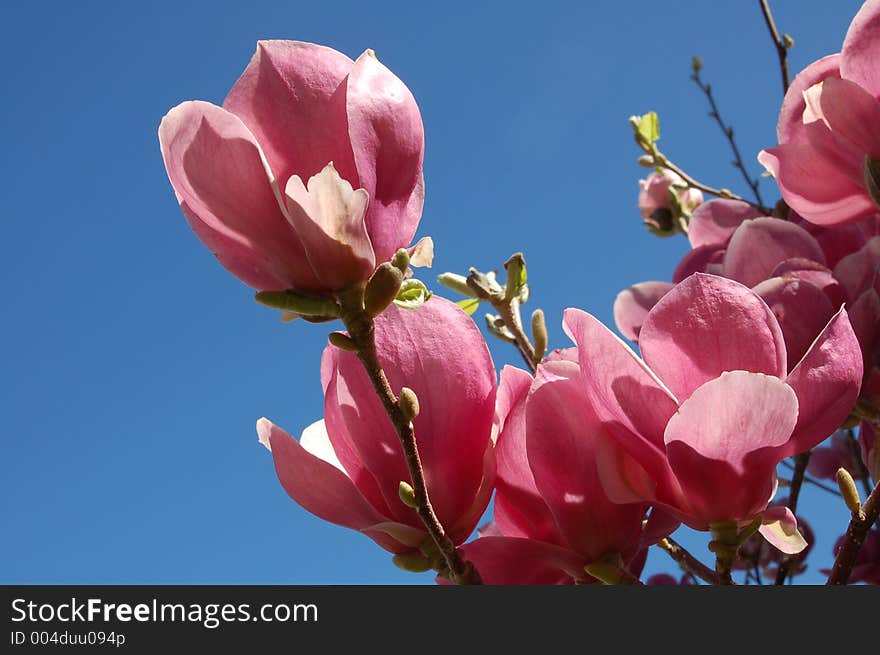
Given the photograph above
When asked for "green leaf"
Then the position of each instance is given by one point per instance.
(469, 305)
(413, 293)
(647, 128)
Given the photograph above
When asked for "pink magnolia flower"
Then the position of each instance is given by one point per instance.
(656, 204)
(713, 407)
(347, 468)
(552, 516)
(839, 453)
(827, 162)
(308, 176)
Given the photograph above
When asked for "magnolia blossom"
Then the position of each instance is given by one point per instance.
(709, 412)
(308, 176)
(552, 516)
(347, 468)
(827, 162)
(658, 206)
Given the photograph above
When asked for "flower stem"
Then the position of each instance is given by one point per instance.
(508, 310)
(781, 46)
(859, 525)
(797, 480)
(687, 561)
(361, 331)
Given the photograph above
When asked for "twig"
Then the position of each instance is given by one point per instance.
(779, 42)
(361, 331)
(813, 481)
(797, 479)
(859, 525)
(662, 161)
(509, 313)
(688, 562)
(855, 453)
(728, 133)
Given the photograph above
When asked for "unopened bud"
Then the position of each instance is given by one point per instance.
(647, 161)
(456, 283)
(849, 491)
(409, 403)
(401, 260)
(412, 562)
(407, 494)
(516, 275)
(382, 288)
(342, 341)
(539, 333)
(787, 41)
(871, 173)
(300, 304)
(696, 63)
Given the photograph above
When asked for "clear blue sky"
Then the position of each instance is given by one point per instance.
(134, 367)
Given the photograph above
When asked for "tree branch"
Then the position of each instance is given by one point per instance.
(859, 525)
(780, 43)
(688, 562)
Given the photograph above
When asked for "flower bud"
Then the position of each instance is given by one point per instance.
(300, 304)
(412, 562)
(409, 403)
(407, 494)
(382, 288)
(849, 491)
(539, 333)
(342, 341)
(456, 283)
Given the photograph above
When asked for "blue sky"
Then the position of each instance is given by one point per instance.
(134, 367)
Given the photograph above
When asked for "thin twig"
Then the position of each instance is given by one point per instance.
(813, 481)
(855, 453)
(728, 133)
(688, 562)
(859, 525)
(662, 161)
(509, 313)
(781, 46)
(797, 479)
(361, 331)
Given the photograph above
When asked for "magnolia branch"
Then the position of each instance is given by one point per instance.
(782, 43)
(663, 162)
(859, 525)
(728, 133)
(361, 331)
(688, 562)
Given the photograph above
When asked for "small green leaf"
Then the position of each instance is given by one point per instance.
(413, 293)
(469, 305)
(647, 128)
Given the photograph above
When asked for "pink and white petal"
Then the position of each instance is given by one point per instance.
(715, 221)
(727, 435)
(629, 399)
(802, 310)
(852, 114)
(519, 509)
(562, 429)
(229, 196)
(857, 272)
(790, 128)
(388, 142)
(328, 216)
(815, 187)
(708, 325)
(827, 382)
(515, 561)
(779, 527)
(318, 486)
(632, 306)
(759, 245)
(704, 259)
(861, 48)
(292, 97)
(421, 255)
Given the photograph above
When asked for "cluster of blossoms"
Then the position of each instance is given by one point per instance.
(307, 185)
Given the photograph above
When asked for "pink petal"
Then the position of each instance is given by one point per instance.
(703, 259)
(388, 141)
(713, 222)
(825, 460)
(292, 97)
(858, 272)
(861, 48)
(813, 273)
(826, 382)
(626, 395)
(708, 325)
(316, 485)
(228, 195)
(513, 561)
(815, 187)
(780, 529)
(456, 398)
(726, 436)
(632, 306)
(790, 128)
(519, 509)
(562, 429)
(864, 315)
(838, 242)
(758, 245)
(853, 114)
(802, 310)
